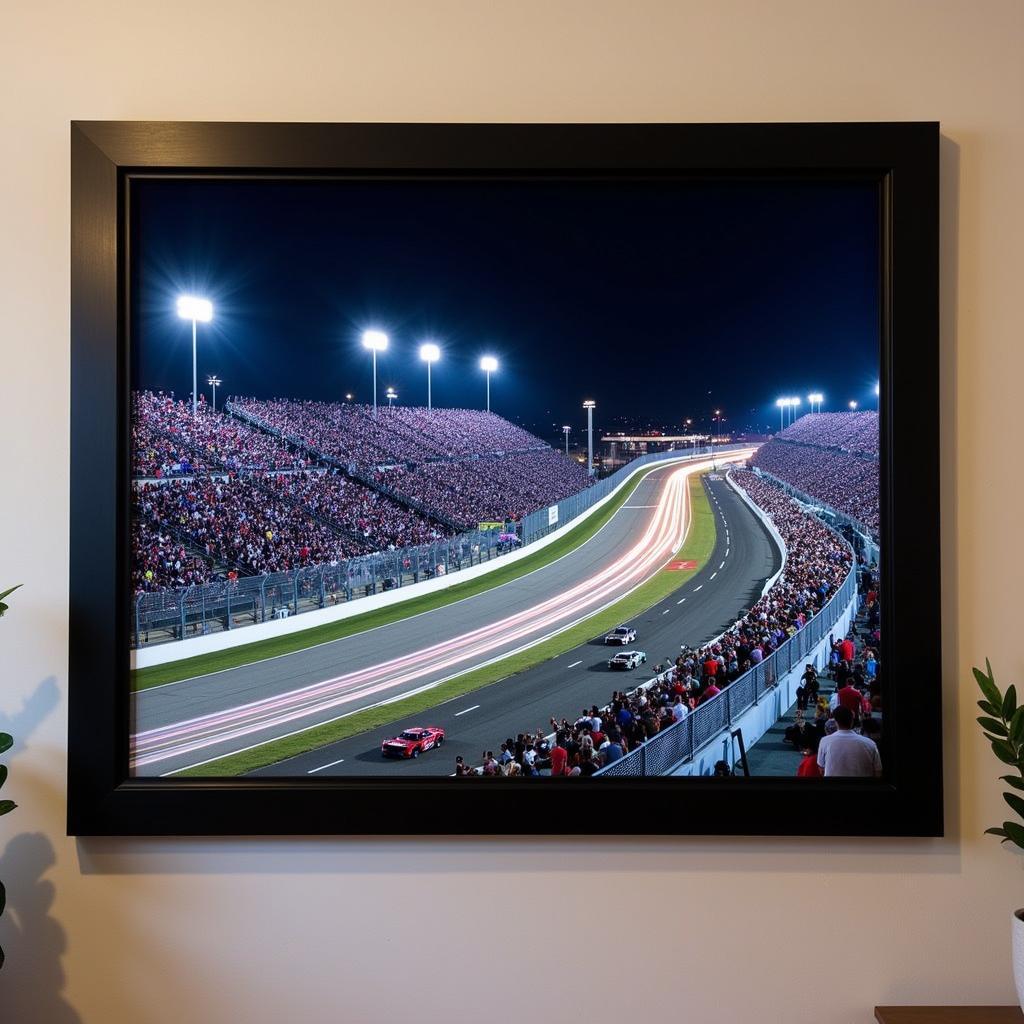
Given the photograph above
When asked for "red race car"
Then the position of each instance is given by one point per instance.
(413, 742)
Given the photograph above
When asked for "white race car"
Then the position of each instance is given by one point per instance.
(628, 660)
(621, 635)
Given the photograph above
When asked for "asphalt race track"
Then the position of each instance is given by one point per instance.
(700, 610)
(199, 719)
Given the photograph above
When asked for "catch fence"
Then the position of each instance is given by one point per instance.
(679, 742)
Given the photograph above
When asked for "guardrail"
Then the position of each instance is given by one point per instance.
(679, 742)
(167, 615)
(541, 522)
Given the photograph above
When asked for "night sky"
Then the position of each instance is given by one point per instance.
(660, 300)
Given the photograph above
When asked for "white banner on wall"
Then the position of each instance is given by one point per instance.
(552, 515)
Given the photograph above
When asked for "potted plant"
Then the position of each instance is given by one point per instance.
(1003, 724)
(6, 741)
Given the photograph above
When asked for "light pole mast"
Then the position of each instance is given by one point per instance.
(488, 364)
(589, 405)
(565, 430)
(375, 341)
(214, 382)
(195, 309)
(429, 353)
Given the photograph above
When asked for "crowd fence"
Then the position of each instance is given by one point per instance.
(679, 742)
(163, 616)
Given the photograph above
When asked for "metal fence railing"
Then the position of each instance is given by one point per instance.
(679, 742)
(168, 615)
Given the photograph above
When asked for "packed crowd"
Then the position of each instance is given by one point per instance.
(233, 523)
(479, 490)
(167, 440)
(817, 562)
(844, 482)
(852, 432)
(832, 457)
(256, 500)
(351, 434)
(852, 713)
(354, 508)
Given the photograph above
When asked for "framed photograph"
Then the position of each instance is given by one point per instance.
(481, 479)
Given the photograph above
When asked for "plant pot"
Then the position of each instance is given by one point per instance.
(1017, 930)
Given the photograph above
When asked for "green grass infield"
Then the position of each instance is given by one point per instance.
(697, 547)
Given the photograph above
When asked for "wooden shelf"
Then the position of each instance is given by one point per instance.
(948, 1015)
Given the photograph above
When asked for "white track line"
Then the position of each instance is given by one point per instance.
(323, 766)
(575, 663)
(466, 711)
(681, 600)
(713, 575)
(695, 589)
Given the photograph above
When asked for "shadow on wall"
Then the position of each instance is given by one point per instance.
(32, 979)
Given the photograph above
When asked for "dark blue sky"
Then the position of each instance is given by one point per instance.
(661, 300)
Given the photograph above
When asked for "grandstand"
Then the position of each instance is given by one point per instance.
(833, 458)
(273, 486)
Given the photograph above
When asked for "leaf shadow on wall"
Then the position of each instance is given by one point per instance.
(32, 978)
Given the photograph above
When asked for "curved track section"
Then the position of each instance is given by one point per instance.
(200, 719)
(745, 556)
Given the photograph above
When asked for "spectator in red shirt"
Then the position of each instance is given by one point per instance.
(846, 650)
(808, 768)
(850, 697)
(559, 755)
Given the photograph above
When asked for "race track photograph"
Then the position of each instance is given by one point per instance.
(526, 478)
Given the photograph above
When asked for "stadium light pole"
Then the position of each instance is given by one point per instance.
(796, 404)
(214, 383)
(565, 430)
(197, 310)
(853, 405)
(488, 364)
(781, 403)
(815, 399)
(590, 405)
(429, 353)
(878, 396)
(391, 394)
(348, 396)
(375, 341)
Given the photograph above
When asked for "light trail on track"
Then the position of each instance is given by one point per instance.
(663, 536)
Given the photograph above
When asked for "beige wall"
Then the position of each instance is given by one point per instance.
(314, 931)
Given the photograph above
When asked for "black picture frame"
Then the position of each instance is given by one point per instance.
(903, 158)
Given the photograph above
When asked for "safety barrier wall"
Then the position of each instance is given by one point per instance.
(173, 615)
(669, 748)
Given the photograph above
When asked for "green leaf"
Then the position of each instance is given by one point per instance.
(996, 832)
(988, 685)
(992, 725)
(3, 775)
(1014, 832)
(1, 957)
(6, 741)
(1015, 802)
(1012, 780)
(990, 709)
(1009, 702)
(6, 806)
(1005, 752)
(3, 594)
(3, 897)
(1017, 726)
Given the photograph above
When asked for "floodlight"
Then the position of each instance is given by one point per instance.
(429, 352)
(192, 308)
(488, 364)
(376, 341)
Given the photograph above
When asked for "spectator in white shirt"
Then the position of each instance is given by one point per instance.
(846, 753)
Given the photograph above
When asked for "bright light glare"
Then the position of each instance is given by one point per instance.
(430, 353)
(877, 389)
(488, 364)
(192, 308)
(391, 393)
(853, 405)
(375, 340)
(816, 398)
(590, 404)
